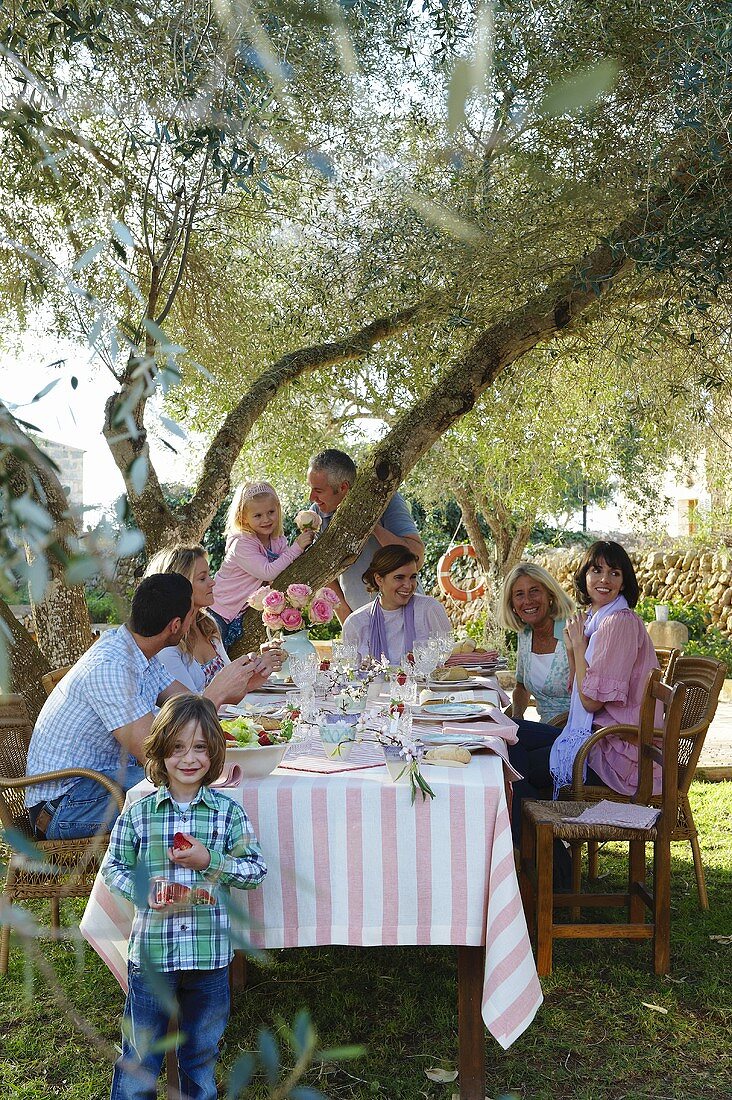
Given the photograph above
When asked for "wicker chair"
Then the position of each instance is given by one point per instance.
(543, 823)
(666, 661)
(55, 676)
(68, 867)
(703, 678)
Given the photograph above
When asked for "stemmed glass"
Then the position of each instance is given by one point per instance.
(426, 658)
(304, 672)
(345, 656)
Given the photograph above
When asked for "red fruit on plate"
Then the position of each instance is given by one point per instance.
(324, 666)
(401, 678)
(263, 738)
(180, 843)
(202, 897)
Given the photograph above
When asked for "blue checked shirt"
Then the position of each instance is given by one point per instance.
(189, 937)
(114, 683)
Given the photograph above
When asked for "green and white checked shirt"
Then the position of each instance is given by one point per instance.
(190, 937)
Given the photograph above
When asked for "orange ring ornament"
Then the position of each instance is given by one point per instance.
(445, 581)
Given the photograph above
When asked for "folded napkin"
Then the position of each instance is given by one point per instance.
(491, 743)
(230, 778)
(496, 724)
(625, 815)
(490, 696)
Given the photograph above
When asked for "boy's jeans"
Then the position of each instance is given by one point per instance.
(203, 1010)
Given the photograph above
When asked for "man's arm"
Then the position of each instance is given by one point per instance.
(412, 542)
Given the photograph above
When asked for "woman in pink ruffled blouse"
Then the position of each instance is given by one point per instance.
(610, 656)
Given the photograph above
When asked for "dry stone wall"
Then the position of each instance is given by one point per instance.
(691, 576)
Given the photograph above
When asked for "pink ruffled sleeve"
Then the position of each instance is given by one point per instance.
(614, 654)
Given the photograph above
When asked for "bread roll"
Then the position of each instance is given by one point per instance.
(456, 754)
(447, 675)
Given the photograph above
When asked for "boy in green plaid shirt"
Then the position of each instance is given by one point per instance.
(181, 848)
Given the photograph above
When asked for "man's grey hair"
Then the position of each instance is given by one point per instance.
(336, 465)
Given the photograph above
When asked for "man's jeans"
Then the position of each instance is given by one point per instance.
(87, 808)
(203, 1010)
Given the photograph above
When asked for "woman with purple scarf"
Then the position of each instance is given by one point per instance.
(399, 616)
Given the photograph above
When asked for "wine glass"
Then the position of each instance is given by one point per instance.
(426, 658)
(304, 671)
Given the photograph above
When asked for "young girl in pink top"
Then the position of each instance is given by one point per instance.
(256, 553)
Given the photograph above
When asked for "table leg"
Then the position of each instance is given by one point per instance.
(471, 1031)
(238, 972)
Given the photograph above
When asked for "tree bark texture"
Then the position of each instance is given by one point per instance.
(160, 525)
(62, 625)
(464, 498)
(546, 317)
(26, 663)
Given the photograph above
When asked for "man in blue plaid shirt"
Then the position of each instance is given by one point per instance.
(176, 854)
(99, 715)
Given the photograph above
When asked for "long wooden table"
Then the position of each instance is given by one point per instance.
(352, 861)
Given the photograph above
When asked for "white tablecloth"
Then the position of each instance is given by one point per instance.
(351, 861)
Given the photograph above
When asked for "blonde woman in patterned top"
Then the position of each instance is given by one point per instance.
(536, 607)
(200, 655)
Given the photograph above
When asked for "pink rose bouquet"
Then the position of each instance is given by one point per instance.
(320, 611)
(298, 594)
(294, 608)
(292, 618)
(274, 602)
(329, 596)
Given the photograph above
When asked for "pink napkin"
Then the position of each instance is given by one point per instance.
(497, 725)
(230, 778)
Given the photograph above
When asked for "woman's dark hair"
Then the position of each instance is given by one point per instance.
(386, 560)
(171, 719)
(616, 557)
(158, 600)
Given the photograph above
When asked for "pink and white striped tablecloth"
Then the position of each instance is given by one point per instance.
(352, 861)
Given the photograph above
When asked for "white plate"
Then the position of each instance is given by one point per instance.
(452, 685)
(282, 687)
(451, 712)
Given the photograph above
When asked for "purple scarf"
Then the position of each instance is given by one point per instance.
(377, 632)
(579, 722)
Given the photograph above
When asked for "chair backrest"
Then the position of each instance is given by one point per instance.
(55, 676)
(672, 699)
(15, 735)
(703, 678)
(667, 659)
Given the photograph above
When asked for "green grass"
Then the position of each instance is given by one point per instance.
(593, 1038)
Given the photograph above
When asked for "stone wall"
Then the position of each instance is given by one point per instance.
(691, 576)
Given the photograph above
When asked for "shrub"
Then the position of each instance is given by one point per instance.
(103, 606)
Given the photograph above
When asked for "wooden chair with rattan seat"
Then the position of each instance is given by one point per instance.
(666, 661)
(543, 823)
(55, 676)
(65, 868)
(703, 678)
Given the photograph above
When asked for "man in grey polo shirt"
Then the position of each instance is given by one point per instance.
(99, 715)
(330, 475)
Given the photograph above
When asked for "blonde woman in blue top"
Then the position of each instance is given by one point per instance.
(533, 604)
(536, 607)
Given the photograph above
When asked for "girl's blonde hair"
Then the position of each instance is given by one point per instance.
(560, 604)
(237, 518)
(182, 559)
(172, 718)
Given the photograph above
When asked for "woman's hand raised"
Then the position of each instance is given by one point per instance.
(574, 632)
